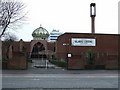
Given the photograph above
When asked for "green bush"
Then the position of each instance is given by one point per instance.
(30, 61)
(90, 56)
(4, 59)
(59, 63)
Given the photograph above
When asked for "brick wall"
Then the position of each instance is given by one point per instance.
(19, 61)
(106, 50)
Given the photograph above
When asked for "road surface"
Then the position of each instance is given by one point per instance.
(60, 81)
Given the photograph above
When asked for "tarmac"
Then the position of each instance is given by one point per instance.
(55, 77)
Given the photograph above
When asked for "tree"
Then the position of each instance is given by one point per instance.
(11, 12)
(9, 37)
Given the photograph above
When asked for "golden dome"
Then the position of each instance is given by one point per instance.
(40, 33)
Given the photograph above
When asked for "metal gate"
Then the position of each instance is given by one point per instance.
(39, 63)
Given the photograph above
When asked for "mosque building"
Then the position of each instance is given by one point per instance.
(71, 47)
(39, 47)
(79, 50)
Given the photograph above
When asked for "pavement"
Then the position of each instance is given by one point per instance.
(35, 70)
(40, 67)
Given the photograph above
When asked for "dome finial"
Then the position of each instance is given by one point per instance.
(40, 25)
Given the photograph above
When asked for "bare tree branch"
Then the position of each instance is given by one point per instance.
(10, 13)
(8, 36)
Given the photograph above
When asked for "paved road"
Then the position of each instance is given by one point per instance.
(60, 81)
(59, 78)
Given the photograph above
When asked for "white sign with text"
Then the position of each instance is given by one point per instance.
(83, 42)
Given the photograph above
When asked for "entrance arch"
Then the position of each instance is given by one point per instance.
(38, 51)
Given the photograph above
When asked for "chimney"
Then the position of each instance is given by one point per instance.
(92, 15)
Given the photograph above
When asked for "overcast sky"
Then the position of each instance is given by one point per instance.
(69, 16)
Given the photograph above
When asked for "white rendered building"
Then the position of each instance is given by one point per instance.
(54, 35)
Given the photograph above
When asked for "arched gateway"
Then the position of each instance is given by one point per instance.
(39, 43)
(38, 51)
(38, 47)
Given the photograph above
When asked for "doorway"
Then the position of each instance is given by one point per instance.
(38, 51)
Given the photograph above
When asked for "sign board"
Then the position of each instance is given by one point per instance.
(83, 42)
(69, 55)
